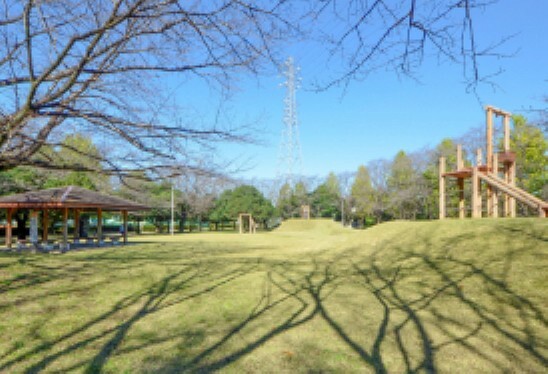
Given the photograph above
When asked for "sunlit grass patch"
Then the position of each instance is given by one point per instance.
(310, 297)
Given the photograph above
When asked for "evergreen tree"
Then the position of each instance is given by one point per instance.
(402, 187)
(362, 195)
(326, 198)
(243, 199)
(531, 148)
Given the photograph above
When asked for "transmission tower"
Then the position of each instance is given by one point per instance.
(290, 150)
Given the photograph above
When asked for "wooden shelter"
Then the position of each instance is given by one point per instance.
(71, 199)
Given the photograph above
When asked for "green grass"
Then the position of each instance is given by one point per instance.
(451, 296)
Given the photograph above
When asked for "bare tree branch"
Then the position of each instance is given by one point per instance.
(83, 62)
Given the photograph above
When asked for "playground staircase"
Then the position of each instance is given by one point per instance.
(517, 193)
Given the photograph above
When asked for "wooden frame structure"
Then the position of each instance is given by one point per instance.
(244, 218)
(66, 199)
(498, 174)
(305, 211)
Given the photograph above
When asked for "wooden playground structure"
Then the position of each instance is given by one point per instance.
(247, 223)
(497, 173)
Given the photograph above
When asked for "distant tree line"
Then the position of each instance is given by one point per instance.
(405, 187)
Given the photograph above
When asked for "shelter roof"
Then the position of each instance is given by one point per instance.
(68, 197)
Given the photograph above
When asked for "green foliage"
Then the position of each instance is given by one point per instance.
(243, 199)
(290, 200)
(76, 149)
(531, 147)
(362, 194)
(326, 198)
(430, 206)
(284, 204)
(154, 194)
(402, 188)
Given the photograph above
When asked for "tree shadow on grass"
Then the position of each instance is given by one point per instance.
(311, 290)
(390, 287)
(162, 294)
(408, 288)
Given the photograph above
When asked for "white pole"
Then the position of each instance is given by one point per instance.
(342, 211)
(172, 224)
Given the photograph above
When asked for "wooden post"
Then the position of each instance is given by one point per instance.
(462, 208)
(479, 157)
(478, 205)
(65, 227)
(476, 194)
(489, 135)
(489, 201)
(512, 201)
(495, 192)
(9, 227)
(489, 156)
(76, 233)
(45, 224)
(442, 188)
(460, 162)
(99, 226)
(506, 197)
(506, 132)
(124, 217)
(507, 166)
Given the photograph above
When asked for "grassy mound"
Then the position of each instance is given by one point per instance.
(451, 296)
(300, 225)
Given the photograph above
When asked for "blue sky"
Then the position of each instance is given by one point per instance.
(375, 118)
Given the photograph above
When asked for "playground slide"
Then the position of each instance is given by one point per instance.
(517, 193)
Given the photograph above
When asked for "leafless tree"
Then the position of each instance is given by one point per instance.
(402, 34)
(99, 66)
(379, 171)
(95, 65)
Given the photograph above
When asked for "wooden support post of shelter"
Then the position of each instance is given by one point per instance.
(99, 226)
(124, 218)
(65, 228)
(45, 225)
(76, 234)
(9, 227)
(442, 188)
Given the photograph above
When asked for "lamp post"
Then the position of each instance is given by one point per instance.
(172, 223)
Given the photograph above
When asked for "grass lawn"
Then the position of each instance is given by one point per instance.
(452, 296)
